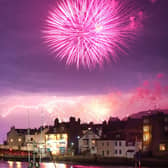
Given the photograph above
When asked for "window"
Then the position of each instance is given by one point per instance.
(166, 128)
(31, 139)
(51, 137)
(146, 128)
(120, 143)
(86, 142)
(66, 136)
(118, 136)
(62, 128)
(130, 144)
(146, 137)
(146, 121)
(107, 152)
(116, 152)
(115, 143)
(11, 140)
(58, 136)
(19, 139)
(162, 147)
(107, 143)
(120, 152)
(93, 142)
(102, 153)
(166, 119)
(102, 143)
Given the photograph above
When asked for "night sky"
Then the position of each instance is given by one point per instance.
(33, 82)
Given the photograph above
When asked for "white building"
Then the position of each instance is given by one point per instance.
(116, 148)
(105, 147)
(87, 143)
(35, 140)
(120, 148)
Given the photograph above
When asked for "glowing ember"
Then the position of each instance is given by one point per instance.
(89, 32)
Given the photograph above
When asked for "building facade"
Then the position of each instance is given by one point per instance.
(56, 141)
(105, 147)
(87, 143)
(16, 138)
(36, 140)
(155, 134)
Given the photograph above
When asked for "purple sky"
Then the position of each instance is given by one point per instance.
(31, 79)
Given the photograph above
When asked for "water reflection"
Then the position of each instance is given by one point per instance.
(11, 164)
(18, 164)
(53, 165)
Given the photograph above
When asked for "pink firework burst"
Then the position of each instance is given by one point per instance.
(90, 32)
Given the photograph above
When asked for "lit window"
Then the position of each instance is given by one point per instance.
(162, 147)
(146, 128)
(52, 137)
(146, 137)
(19, 139)
(58, 136)
(93, 142)
(65, 136)
(11, 140)
(54, 152)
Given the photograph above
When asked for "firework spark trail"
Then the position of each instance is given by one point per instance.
(90, 32)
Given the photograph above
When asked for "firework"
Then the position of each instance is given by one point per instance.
(89, 32)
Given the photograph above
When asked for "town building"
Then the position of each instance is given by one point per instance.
(16, 138)
(117, 146)
(87, 143)
(105, 147)
(35, 139)
(73, 130)
(56, 141)
(155, 134)
(133, 130)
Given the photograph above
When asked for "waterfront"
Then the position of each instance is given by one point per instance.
(10, 164)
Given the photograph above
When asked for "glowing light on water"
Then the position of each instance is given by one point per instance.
(53, 165)
(18, 165)
(10, 164)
